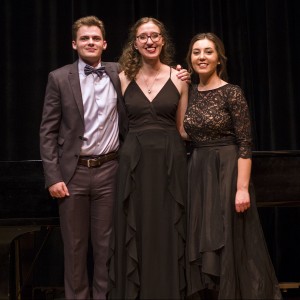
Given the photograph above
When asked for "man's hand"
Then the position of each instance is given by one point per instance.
(59, 190)
(183, 74)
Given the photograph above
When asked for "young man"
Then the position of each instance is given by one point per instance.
(83, 119)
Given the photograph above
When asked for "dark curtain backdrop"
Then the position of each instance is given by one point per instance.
(262, 40)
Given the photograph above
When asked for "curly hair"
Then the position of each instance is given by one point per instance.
(131, 60)
(87, 21)
(221, 68)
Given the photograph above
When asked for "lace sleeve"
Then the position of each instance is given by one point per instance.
(240, 116)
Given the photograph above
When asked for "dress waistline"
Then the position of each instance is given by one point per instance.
(151, 127)
(219, 143)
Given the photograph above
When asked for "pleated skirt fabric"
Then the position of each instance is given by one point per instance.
(147, 251)
(226, 250)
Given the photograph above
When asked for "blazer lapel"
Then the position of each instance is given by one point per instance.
(112, 71)
(75, 85)
(114, 77)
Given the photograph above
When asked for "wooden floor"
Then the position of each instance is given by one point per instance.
(56, 293)
(32, 288)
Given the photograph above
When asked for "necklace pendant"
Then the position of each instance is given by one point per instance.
(149, 91)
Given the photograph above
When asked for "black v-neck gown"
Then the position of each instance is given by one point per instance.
(148, 240)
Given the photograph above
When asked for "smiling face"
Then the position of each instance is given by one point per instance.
(149, 41)
(89, 44)
(204, 58)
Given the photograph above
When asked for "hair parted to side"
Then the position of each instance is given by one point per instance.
(131, 60)
(87, 21)
(221, 68)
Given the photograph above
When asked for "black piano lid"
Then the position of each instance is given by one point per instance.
(276, 177)
(23, 197)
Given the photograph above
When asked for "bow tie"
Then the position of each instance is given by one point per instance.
(89, 70)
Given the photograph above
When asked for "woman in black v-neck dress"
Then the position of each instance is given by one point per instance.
(147, 259)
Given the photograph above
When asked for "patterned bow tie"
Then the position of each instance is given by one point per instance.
(89, 70)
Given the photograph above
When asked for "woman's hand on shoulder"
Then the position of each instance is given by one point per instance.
(183, 74)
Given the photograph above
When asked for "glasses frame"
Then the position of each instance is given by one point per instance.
(148, 36)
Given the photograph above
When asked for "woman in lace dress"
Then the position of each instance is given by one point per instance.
(227, 255)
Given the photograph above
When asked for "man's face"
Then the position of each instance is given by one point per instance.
(89, 44)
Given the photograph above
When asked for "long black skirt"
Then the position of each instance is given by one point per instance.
(147, 251)
(226, 250)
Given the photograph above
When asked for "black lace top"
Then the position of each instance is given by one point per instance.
(219, 113)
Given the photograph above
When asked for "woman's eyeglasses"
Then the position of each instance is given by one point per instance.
(154, 36)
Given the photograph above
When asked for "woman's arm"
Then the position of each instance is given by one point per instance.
(124, 82)
(181, 109)
(242, 198)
